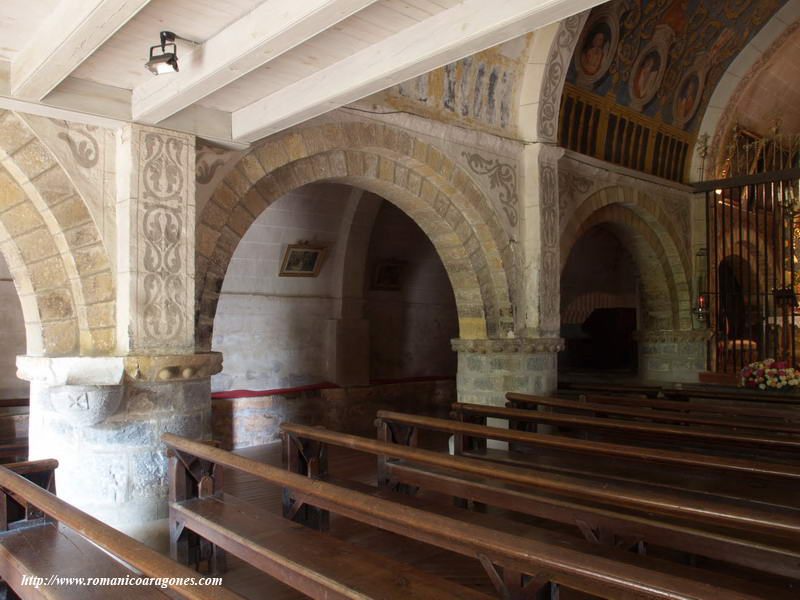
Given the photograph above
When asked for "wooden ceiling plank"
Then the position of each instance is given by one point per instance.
(66, 38)
(465, 29)
(268, 31)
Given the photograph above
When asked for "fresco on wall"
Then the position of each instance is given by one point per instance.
(664, 58)
(479, 91)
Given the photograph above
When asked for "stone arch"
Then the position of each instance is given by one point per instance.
(37, 269)
(639, 223)
(59, 246)
(414, 175)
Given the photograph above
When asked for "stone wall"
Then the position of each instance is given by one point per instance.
(274, 331)
(243, 422)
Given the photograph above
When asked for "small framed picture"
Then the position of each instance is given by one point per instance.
(302, 260)
(388, 275)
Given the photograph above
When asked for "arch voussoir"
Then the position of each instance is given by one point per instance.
(390, 163)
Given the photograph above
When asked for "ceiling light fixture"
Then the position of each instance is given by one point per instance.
(166, 62)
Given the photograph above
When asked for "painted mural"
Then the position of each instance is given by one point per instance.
(479, 91)
(663, 58)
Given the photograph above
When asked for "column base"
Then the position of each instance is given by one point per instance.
(102, 419)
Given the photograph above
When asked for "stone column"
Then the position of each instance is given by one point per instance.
(487, 369)
(666, 355)
(102, 417)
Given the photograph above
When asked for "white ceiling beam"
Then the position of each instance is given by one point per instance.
(82, 101)
(264, 33)
(66, 38)
(450, 35)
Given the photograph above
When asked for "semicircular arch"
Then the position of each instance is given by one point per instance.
(412, 174)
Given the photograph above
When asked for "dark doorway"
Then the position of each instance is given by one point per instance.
(599, 303)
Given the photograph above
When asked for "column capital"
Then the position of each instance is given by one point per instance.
(508, 345)
(116, 370)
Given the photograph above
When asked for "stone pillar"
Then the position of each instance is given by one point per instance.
(102, 418)
(667, 355)
(487, 369)
(155, 241)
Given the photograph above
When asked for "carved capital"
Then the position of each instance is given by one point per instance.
(116, 370)
(508, 345)
(178, 367)
(85, 404)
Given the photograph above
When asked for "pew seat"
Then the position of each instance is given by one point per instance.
(315, 563)
(53, 549)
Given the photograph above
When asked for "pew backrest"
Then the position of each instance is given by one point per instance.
(558, 499)
(523, 401)
(737, 409)
(584, 571)
(686, 435)
(49, 508)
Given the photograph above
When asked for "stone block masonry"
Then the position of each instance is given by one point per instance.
(102, 419)
(244, 422)
(487, 369)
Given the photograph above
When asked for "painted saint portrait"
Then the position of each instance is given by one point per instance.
(645, 78)
(595, 49)
(687, 98)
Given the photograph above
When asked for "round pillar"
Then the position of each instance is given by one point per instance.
(102, 419)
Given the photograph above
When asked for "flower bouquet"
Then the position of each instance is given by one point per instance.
(770, 374)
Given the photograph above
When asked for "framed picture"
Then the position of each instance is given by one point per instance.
(302, 260)
(388, 275)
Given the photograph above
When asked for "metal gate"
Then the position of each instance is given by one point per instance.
(750, 298)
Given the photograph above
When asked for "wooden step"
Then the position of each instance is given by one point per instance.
(314, 563)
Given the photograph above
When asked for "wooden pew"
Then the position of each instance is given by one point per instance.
(769, 482)
(650, 391)
(708, 393)
(43, 536)
(734, 467)
(579, 504)
(591, 569)
(14, 402)
(647, 496)
(205, 523)
(526, 401)
(730, 442)
(785, 415)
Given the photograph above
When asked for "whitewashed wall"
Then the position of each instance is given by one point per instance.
(272, 330)
(410, 329)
